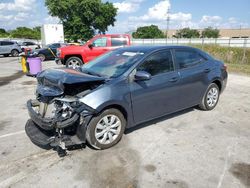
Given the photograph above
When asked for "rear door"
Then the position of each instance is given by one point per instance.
(193, 69)
(159, 95)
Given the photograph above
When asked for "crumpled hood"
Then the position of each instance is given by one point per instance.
(53, 82)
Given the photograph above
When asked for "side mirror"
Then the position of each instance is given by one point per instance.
(90, 46)
(142, 75)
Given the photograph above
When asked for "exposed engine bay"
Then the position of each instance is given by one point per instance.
(58, 118)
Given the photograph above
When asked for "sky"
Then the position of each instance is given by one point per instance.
(135, 13)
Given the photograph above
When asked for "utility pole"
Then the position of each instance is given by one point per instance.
(168, 20)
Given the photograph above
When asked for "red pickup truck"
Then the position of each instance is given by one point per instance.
(75, 56)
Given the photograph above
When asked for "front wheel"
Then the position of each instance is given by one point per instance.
(211, 97)
(74, 62)
(106, 129)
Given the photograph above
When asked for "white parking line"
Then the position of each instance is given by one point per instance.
(12, 134)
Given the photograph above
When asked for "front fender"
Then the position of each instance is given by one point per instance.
(110, 95)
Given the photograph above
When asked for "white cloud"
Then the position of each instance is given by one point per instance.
(128, 6)
(181, 17)
(18, 5)
(6, 17)
(51, 20)
(21, 16)
(211, 19)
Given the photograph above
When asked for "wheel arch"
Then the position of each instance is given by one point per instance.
(218, 83)
(118, 107)
(72, 55)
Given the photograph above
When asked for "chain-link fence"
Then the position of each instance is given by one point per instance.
(231, 42)
(229, 50)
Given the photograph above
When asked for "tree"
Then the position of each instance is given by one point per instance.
(28, 33)
(148, 32)
(187, 33)
(3, 33)
(209, 32)
(82, 19)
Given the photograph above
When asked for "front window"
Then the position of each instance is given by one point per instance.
(112, 64)
(160, 62)
(100, 42)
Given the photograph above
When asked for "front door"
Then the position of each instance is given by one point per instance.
(99, 47)
(159, 95)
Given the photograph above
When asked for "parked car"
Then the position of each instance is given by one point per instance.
(31, 45)
(75, 56)
(49, 52)
(9, 48)
(119, 90)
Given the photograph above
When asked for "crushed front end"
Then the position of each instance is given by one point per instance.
(57, 118)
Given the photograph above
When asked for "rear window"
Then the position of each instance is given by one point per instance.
(188, 58)
(118, 41)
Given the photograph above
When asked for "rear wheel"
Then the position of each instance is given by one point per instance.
(211, 97)
(106, 130)
(42, 57)
(14, 53)
(74, 62)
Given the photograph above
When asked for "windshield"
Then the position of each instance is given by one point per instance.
(112, 64)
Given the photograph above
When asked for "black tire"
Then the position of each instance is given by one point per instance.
(6, 55)
(74, 62)
(205, 103)
(14, 53)
(92, 129)
(42, 57)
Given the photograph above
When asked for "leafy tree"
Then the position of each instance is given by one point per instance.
(25, 32)
(82, 19)
(3, 33)
(148, 32)
(37, 32)
(210, 33)
(187, 33)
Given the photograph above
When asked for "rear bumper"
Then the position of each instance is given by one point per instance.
(224, 81)
(59, 61)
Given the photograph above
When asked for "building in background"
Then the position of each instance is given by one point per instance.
(224, 33)
(52, 33)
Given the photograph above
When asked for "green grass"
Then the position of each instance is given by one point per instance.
(233, 57)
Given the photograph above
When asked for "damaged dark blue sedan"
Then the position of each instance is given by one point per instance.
(119, 90)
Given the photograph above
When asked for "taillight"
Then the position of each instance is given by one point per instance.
(58, 52)
(224, 67)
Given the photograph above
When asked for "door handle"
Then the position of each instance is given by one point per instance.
(174, 79)
(207, 70)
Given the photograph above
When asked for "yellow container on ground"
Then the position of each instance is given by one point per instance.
(23, 63)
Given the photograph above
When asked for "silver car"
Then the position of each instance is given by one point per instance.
(33, 46)
(9, 48)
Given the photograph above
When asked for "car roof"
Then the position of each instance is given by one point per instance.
(147, 49)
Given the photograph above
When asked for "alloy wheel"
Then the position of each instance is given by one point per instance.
(74, 64)
(212, 96)
(108, 129)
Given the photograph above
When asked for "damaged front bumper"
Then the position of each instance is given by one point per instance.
(47, 132)
(48, 123)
